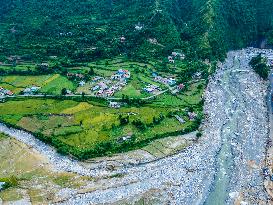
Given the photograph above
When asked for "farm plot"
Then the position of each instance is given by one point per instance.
(80, 128)
(50, 84)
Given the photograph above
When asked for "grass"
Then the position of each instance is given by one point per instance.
(78, 108)
(131, 91)
(81, 124)
(35, 106)
(20, 67)
(3, 136)
(50, 84)
(86, 125)
(57, 84)
(169, 100)
(35, 179)
(62, 180)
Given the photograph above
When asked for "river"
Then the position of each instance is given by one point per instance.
(223, 167)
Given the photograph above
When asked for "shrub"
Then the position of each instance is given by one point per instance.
(198, 134)
(9, 182)
(259, 65)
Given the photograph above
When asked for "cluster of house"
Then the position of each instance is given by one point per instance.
(197, 75)
(177, 88)
(114, 104)
(192, 115)
(75, 75)
(5, 92)
(176, 55)
(31, 90)
(108, 87)
(151, 88)
(166, 81)
(66, 34)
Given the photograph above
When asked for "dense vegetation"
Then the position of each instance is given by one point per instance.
(50, 43)
(84, 30)
(259, 64)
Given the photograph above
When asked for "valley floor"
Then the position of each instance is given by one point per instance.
(223, 167)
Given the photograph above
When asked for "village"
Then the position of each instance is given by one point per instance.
(107, 87)
(100, 85)
(5, 92)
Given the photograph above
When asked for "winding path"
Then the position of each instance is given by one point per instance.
(223, 167)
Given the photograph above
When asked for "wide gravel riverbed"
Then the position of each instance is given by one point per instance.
(222, 168)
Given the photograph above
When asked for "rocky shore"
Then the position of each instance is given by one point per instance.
(223, 167)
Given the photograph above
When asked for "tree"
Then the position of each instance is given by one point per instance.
(263, 70)
(198, 135)
(123, 120)
(91, 72)
(64, 91)
(258, 63)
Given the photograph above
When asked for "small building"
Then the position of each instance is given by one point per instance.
(197, 75)
(153, 40)
(27, 91)
(70, 75)
(80, 76)
(68, 92)
(82, 83)
(2, 184)
(174, 54)
(124, 138)
(182, 56)
(154, 74)
(122, 39)
(170, 58)
(181, 86)
(31, 90)
(110, 92)
(95, 88)
(35, 88)
(100, 92)
(151, 88)
(97, 78)
(180, 119)
(114, 105)
(171, 81)
(10, 93)
(103, 86)
(138, 27)
(192, 115)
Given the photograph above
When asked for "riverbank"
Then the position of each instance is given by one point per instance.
(223, 167)
(269, 158)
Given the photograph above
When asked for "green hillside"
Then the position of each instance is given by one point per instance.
(83, 74)
(85, 30)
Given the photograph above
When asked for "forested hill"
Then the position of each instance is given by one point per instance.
(85, 30)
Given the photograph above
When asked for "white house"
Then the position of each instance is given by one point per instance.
(114, 105)
(82, 83)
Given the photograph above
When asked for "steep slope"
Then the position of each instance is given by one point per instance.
(90, 29)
